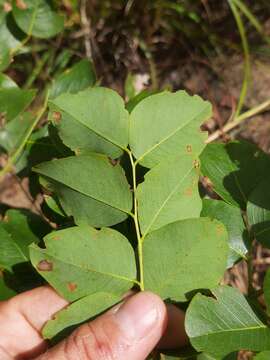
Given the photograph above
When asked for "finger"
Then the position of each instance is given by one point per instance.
(175, 335)
(129, 332)
(23, 317)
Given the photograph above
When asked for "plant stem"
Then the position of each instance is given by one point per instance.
(247, 64)
(12, 159)
(246, 115)
(136, 222)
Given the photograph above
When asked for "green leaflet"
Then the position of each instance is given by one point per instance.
(107, 191)
(167, 124)
(258, 212)
(231, 217)
(6, 82)
(265, 355)
(78, 312)
(169, 193)
(10, 38)
(85, 209)
(37, 18)
(225, 324)
(79, 137)
(92, 261)
(184, 256)
(99, 109)
(266, 290)
(234, 169)
(75, 79)
(13, 101)
(5, 292)
(15, 132)
(15, 236)
(204, 356)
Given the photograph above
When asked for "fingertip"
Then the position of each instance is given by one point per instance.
(175, 335)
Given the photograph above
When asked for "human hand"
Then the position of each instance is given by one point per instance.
(130, 330)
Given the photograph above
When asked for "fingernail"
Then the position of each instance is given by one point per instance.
(138, 316)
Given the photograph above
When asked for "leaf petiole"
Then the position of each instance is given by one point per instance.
(136, 221)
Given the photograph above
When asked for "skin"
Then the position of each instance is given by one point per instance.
(130, 330)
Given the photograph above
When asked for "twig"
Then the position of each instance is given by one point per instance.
(86, 27)
(247, 64)
(238, 120)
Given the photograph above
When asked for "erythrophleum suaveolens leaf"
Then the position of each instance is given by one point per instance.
(167, 124)
(5, 81)
(231, 217)
(234, 169)
(79, 311)
(80, 261)
(75, 79)
(266, 291)
(79, 137)
(10, 37)
(169, 193)
(258, 212)
(93, 182)
(15, 237)
(14, 101)
(184, 256)
(101, 110)
(14, 133)
(37, 18)
(225, 324)
(265, 355)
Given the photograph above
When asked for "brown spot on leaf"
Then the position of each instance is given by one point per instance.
(188, 191)
(113, 162)
(72, 286)
(7, 7)
(21, 4)
(77, 151)
(56, 237)
(220, 229)
(196, 164)
(56, 115)
(189, 148)
(45, 265)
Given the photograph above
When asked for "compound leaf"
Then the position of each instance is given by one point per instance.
(99, 109)
(184, 256)
(106, 196)
(169, 193)
(37, 18)
(231, 217)
(81, 261)
(258, 212)
(234, 169)
(79, 311)
(167, 124)
(225, 324)
(75, 79)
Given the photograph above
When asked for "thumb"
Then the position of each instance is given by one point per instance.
(129, 331)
